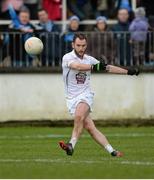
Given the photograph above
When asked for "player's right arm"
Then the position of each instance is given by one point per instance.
(80, 67)
(70, 62)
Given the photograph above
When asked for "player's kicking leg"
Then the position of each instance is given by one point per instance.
(81, 113)
(99, 137)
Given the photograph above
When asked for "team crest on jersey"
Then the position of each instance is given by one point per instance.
(81, 77)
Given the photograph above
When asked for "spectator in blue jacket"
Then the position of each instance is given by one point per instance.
(139, 29)
(20, 23)
(67, 37)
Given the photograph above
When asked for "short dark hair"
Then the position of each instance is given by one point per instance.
(81, 36)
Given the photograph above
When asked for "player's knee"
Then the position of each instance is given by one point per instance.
(88, 127)
(79, 118)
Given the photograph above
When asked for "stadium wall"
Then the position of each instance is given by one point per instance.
(41, 97)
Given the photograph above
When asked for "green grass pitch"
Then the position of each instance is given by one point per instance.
(33, 152)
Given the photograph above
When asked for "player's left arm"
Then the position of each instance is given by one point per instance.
(102, 66)
(119, 70)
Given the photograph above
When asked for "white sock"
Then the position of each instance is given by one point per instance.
(109, 148)
(73, 141)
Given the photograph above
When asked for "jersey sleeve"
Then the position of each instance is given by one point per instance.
(67, 60)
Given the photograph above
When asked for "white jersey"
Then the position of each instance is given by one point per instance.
(76, 82)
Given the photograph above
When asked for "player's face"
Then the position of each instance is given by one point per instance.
(80, 46)
(43, 16)
(24, 17)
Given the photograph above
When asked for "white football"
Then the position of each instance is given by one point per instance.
(33, 46)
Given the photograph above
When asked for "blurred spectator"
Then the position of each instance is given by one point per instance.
(53, 8)
(124, 4)
(50, 39)
(45, 23)
(139, 29)
(22, 21)
(151, 22)
(148, 5)
(101, 40)
(101, 24)
(106, 8)
(1, 49)
(5, 60)
(17, 4)
(1, 40)
(22, 24)
(150, 42)
(67, 37)
(122, 37)
(82, 8)
(102, 7)
(32, 5)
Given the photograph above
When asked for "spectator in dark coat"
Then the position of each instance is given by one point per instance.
(45, 23)
(122, 37)
(150, 44)
(101, 41)
(125, 4)
(50, 38)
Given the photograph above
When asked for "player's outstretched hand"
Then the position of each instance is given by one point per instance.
(100, 66)
(103, 60)
(133, 71)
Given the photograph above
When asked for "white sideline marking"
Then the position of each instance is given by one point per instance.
(139, 163)
(39, 136)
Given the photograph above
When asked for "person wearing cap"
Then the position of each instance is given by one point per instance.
(73, 23)
(101, 39)
(68, 36)
(139, 29)
(101, 24)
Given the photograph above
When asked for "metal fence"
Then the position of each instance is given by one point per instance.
(117, 47)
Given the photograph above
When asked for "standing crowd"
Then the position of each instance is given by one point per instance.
(125, 43)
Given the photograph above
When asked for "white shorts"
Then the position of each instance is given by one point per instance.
(84, 97)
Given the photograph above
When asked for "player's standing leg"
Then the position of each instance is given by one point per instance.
(99, 137)
(81, 113)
